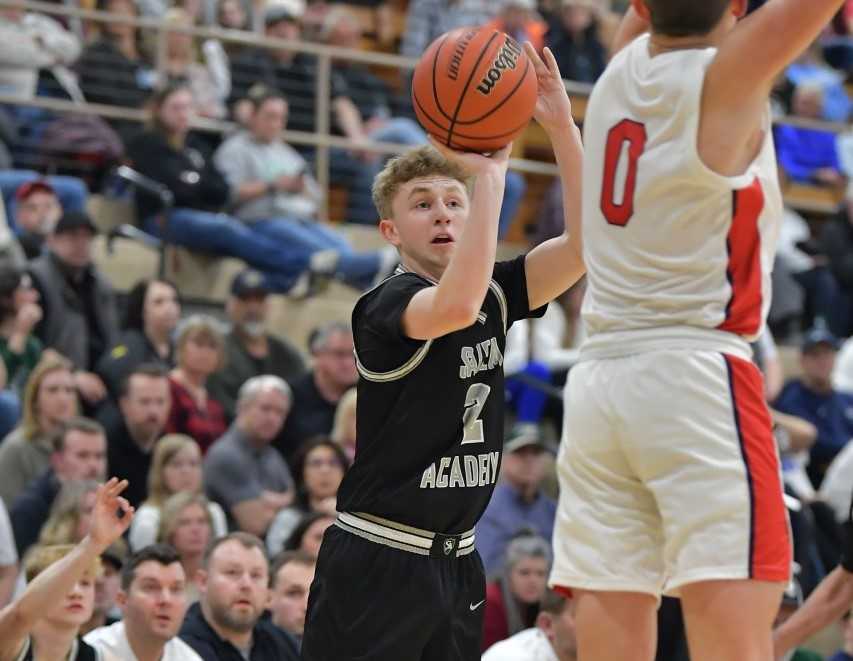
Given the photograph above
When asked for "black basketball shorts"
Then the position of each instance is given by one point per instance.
(370, 601)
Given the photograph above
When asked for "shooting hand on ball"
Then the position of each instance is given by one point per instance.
(473, 163)
(553, 108)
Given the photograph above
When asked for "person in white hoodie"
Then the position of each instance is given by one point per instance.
(30, 42)
(552, 639)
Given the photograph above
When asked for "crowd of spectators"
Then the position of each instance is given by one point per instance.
(232, 440)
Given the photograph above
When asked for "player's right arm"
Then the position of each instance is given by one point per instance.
(456, 301)
(739, 80)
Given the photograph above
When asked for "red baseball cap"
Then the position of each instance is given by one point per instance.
(30, 187)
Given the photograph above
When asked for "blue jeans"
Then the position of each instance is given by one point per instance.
(529, 401)
(71, 191)
(514, 190)
(357, 269)
(220, 234)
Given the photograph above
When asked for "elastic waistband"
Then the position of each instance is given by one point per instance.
(406, 538)
(618, 344)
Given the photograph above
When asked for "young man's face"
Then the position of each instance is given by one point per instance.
(429, 215)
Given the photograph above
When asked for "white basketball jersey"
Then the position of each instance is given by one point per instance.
(670, 246)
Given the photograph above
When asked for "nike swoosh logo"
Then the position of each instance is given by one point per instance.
(474, 607)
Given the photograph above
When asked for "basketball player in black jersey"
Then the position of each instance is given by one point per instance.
(398, 577)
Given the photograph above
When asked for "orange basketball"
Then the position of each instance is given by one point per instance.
(474, 89)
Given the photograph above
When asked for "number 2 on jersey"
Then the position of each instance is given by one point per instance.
(634, 134)
(475, 400)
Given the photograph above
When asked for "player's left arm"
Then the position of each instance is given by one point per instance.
(555, 265)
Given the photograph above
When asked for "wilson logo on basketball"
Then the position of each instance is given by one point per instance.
(507, 58)
(458, 54)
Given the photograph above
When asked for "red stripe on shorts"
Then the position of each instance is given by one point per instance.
(770, 544)
(743, 312)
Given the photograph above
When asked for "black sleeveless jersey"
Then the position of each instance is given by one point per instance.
(430, 415)
(80, 651)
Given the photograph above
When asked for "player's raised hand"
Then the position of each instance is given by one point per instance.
(553, 108)
(107, 526)
(472, 162)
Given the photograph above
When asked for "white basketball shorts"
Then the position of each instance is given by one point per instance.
(669, 475)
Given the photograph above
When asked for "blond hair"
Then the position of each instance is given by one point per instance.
(420, 162)
(199, 327)
(171, 512)
(50, 362)
(41, 557)
(166, 449)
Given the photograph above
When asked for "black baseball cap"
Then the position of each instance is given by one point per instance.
(72, 220)
(524, 436)
(248, 282)
(818, 336)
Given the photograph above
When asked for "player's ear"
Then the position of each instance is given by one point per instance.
(388, 230)
(641, 9)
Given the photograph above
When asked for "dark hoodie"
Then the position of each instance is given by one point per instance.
(269, 643)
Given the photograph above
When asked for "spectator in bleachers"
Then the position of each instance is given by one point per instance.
(812, 69)
(175, 468)
(71, 514)
(151, 314)
(308, 535)
(37, 210)
(512, 599)
(20, 349)
(573, 38)
(343, 430)
(71, 191)
(242, 472)
(520, 20)
(249, 349)
(291, 575)
(115, 68)
(80, 319)
(107, 584)
(199, 352)
(227, 623)
(136, 426)
(208, 80)
(317, 393)
(186, 525)
(42, 623)
(8, 558)
(30, 43)
(168, 153)
(274, 193)
(552, 639)
(232, 15)
(319, 467)
(836, 243)
(808, 155)
(813, 398)
(518, 502)
(153, 601)
(50, 398)
(426, 20)
(80, 453)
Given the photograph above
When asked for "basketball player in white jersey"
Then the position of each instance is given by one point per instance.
(669, 473)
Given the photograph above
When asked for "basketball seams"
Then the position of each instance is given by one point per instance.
(434, 83)
(500, 104)
(464, 135)
(467, 85)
